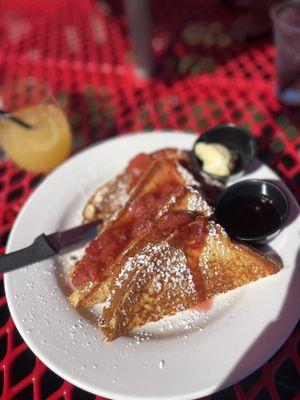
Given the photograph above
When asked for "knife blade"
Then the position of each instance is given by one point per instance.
(45, 246)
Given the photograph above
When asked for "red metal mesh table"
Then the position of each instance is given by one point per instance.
(82, 49)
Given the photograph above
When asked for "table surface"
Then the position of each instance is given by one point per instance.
(205, 77)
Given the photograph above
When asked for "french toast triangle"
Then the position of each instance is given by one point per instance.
(163, 275)
(160, 254)
(112, 196)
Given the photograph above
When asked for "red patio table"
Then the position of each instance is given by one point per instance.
(205, 77)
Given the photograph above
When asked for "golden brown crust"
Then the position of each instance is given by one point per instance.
(143, 289)
(222, 266)
(89, 294)
(227, 265)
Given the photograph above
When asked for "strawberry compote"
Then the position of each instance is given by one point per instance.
(138, 218)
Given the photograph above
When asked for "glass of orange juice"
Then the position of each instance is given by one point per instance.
(45, 145)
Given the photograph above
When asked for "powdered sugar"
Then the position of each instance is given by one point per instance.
(163, 265)
(166, 207)
(197, 203)
(213, 240)
(188, 178)
(120, 193)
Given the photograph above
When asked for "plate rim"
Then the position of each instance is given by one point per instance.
(35, 349)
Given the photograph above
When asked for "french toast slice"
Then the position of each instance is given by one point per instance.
(163, 274)
(180, 197)
(113, 195)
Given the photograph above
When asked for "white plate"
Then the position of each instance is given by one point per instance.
(183, 357)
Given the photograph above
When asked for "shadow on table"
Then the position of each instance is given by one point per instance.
(286, 313)
(248, 361)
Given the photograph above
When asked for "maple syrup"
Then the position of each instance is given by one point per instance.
(249, 216)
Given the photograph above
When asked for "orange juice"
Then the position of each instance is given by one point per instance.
(41, 148)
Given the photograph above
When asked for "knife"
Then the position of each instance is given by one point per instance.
(45, 246)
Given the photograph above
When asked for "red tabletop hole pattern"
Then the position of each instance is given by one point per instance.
(204, 77)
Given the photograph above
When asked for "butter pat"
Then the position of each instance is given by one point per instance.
(216, 158)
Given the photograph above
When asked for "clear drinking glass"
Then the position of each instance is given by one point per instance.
(286, 24)
(48, 142)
